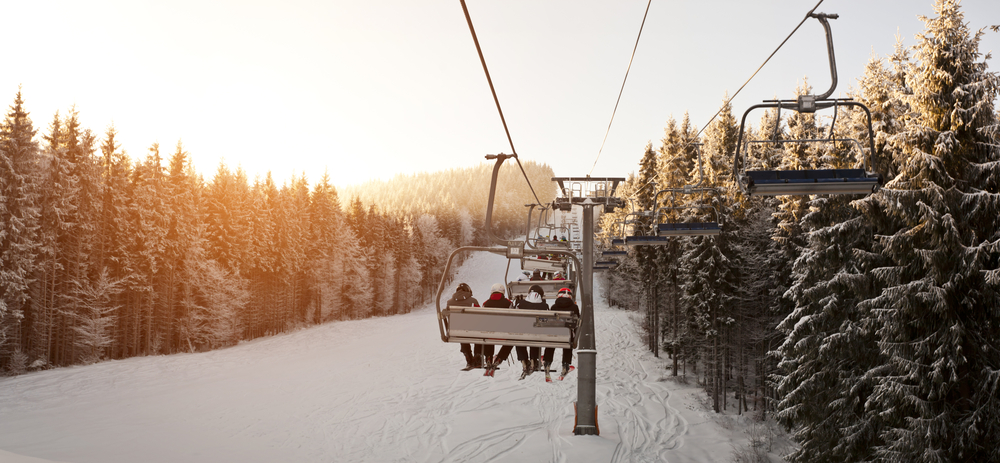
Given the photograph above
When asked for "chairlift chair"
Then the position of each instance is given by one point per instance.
(678, 228)
(514, 327)
(809, 181)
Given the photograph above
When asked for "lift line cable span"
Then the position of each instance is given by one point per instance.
(629, 68)
(761, 66)
(482, 59)
(751, 77)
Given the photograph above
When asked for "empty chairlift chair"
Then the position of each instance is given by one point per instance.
(809, 181)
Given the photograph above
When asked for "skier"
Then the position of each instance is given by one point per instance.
(536, 275)
(496, 300)
(535, 300)
(463, 298)
(563, 303)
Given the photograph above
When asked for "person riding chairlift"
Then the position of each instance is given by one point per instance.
(535, 300)
(564, 303)
(463, 298)
(496, 300)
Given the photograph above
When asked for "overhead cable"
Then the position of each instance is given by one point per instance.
(761, 67)
(636, 47)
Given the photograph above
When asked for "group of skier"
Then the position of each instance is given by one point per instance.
(531, 358)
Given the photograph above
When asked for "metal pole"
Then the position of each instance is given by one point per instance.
(586, 405)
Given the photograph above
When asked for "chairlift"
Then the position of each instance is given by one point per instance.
(576, 190)
(640, 240)
(809, 181)
(514, 327)
(668, 229)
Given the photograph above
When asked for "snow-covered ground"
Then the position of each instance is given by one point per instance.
(377, 390)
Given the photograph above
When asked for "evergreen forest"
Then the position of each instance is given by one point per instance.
(867, 325)
(106, 257)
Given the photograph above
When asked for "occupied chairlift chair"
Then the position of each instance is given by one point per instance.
(808, 182)
(513, 327)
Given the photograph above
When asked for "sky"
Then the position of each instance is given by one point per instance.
(385, 389)
(370, 90)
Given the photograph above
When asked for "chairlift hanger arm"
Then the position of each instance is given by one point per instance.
(822, 17)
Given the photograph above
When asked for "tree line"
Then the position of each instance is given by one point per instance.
(869, 325)
(105, 256)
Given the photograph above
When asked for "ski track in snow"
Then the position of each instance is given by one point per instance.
(383, 389)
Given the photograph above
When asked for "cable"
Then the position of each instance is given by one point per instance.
(488, 79)
(526, 180)
(497, 100)
(748, 80)
(622, 89)
(761, 67)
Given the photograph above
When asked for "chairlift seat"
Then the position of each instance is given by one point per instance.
(646, 240)
(614, 253)
(542, 265)
(688, 229)
(511, 327)
(810, 182)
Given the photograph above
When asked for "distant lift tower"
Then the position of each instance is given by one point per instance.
(587, 192)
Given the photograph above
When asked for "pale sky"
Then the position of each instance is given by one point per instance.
(370, 89)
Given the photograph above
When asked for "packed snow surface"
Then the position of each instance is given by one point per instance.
(375, 390)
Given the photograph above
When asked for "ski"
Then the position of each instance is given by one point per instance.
(571, 368)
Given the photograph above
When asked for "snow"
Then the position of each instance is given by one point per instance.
(376, 390)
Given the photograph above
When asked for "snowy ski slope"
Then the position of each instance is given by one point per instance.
(377, 390)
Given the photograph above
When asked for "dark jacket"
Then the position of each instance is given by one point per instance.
(527, 304)
(497, 301)
(565, 304)
(463, 299)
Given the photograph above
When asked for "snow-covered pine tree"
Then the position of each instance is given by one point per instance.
(184, 226)
(830, 345)
(711, 280)
(149, 222)
(938, 305)
(79, 257)
(19, 223)
(676, 162)
(96, 317)
(55, 207)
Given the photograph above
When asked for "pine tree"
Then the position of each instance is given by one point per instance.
(19, 223)
(709, 286)
(937, 299)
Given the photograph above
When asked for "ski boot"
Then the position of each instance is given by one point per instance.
(527, 369)
(470, 362)
(548, 377)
